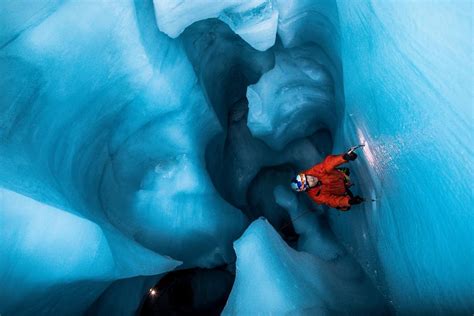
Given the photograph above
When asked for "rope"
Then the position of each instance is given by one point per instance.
(293, 220)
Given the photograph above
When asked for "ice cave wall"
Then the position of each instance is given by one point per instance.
(81, 84)
(100, 111)
(408, 74)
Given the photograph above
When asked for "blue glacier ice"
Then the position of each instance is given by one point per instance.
(297, 92)
(255, 21)
(284, 281)
(409, 96)
(141, 137)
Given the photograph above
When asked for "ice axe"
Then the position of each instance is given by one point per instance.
(291, 221)
(353, 148)
(350, 151)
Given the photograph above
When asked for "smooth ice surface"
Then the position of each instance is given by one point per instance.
(124, 152)
(35, 236)
(280, 280)
(61, 260)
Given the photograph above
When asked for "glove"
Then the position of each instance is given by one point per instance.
(356, 200)
(350, 156)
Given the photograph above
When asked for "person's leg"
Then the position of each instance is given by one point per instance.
(347, 180)
(345, 171)
(349, 192)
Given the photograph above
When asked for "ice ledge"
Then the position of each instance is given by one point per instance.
(254, 21)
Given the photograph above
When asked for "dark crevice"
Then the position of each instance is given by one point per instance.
(189, 292)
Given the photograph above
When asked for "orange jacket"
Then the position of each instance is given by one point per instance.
(332, 191)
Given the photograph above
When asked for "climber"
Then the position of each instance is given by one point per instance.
(328, 185)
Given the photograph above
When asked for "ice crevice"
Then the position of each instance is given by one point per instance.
(149, 143)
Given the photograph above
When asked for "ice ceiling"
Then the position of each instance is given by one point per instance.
(141, 137)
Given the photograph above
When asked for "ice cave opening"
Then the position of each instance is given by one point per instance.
(146, 149)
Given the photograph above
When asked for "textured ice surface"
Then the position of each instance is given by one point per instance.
(91, 124)
(308, 21)
(408, 74)
(120, 146)
(225, 66)
(281, 280)
(110, 159)
(287, 100)
(255, 21)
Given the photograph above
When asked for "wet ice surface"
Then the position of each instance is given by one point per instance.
(125, 153)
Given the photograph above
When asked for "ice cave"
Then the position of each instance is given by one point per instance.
(146, 150)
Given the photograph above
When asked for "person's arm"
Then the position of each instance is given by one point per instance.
(332, 161)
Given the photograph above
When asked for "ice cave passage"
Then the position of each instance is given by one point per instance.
(146, 149)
